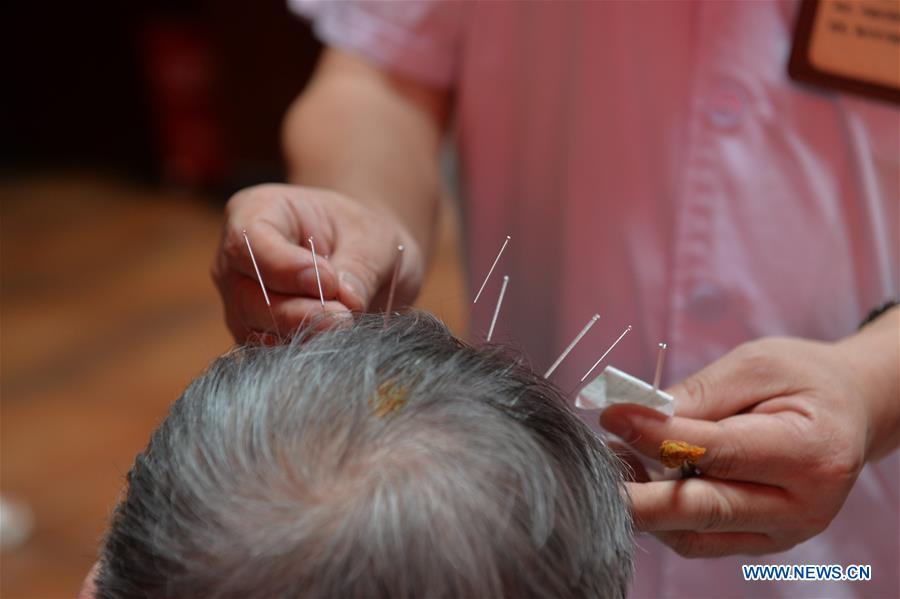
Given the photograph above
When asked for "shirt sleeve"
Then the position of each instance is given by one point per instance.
(418, 39)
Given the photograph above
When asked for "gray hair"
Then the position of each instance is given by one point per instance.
(370, 461)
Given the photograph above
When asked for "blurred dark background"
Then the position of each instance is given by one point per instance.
(189, 93)
(125, 127)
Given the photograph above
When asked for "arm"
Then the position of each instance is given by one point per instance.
(371, 136)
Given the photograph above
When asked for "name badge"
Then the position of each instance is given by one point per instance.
(849, 45)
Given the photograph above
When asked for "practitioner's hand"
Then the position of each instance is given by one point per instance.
(788, 425)
(360, 245)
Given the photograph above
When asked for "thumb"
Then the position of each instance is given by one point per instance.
(744, 448)
(747, 375)
(363, 268)
(284, 266)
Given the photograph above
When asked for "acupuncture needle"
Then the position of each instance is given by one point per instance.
(497, 309)
(616, 342)
(660, 359)
(261, 284)
(390, 301)
(312, 246)
(497, 259)
(572, 345)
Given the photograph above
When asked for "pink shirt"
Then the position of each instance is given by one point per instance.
(653, 162)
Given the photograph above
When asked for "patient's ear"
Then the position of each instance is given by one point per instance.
(88, 588)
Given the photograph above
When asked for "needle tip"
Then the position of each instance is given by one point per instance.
(595, 317)
(663, 346)
(508, 237)
(400, 248)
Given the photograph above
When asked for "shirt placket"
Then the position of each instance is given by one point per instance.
(718, 104)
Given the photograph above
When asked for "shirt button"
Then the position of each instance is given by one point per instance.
(708, 301)
(727, 105)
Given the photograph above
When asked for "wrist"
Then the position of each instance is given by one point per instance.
(872, 357)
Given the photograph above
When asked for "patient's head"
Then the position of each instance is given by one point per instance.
(370, 461)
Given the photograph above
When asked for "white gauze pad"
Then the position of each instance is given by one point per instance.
(613, 386)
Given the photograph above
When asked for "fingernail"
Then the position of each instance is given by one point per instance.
(343, 314)
(352, 285)
(341, 317)
(617, 423)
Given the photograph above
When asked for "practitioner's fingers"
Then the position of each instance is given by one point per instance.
(709, 505)
(365, 257)
(263, 338)
(246, 312)
(310, 313)
(700, 517)
(271, 225)
(783, 412)
(286, 265)
(356, 247)
(749, 374)
(746, 447)
(717, 544)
